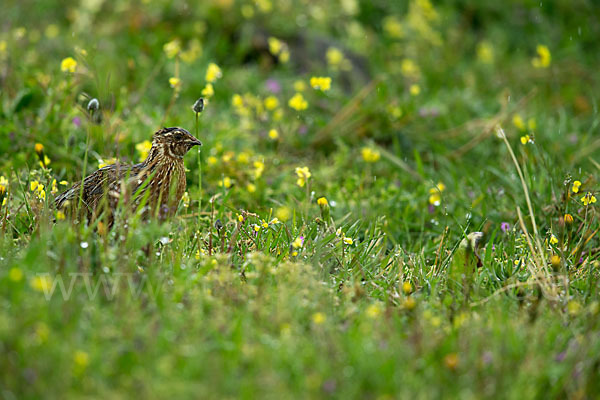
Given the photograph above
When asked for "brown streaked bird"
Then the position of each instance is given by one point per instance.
(159, 180)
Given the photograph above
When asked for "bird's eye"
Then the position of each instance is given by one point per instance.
(178, 136)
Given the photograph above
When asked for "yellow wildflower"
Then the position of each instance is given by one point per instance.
(39, 148)
(251, 188)
(41, 283)
(259, 167)
(543, 58)
(531, 124)
(213, 72)
(409, 303)
(407, 287)
(212, 160)
(283, 213)
(15, 274)
(409, 68)
(273, 134)
(435, 199)
(485, 52)
(299, 86)
(243, 157)
(322, 83)
(525, 139)
(588, 199)
(237, 100)
(60, 215)
(568, 219)
(225, 182)
(274, 221)
(172, 48)
(334, 56)
(174, 82)
(143, 148)
(348, 240)
(81, 359)
(415, 89)
(298, 103)
(298, 242)
(555, 261)
(322, 201)
(198, 254)
(240, 218)
(109, 161)
(553, 239)
(451, 361)
(518, 122)
(576, 186)
(275, 45)
(393, 27)
(271, 103)
(318, 318)
(370, 155)
(303, 175)
(256, 228)
(208, 90)
(373, 311)
(186, 199)
(68, 65)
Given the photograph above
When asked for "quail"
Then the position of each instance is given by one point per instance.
(158, 183)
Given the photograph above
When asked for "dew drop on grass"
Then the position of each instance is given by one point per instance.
(84, 245)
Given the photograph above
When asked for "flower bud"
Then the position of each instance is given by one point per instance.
(93, 104)
(198, 105)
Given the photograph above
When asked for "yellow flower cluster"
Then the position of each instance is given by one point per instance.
(435, 194)
(68, 65)
(279, 49)
(410, 69)
(172, 48)
(543, 58)
(519, 123)
(322, 83)
(213, 73)
(303, 174)
(588, 199)
(38, 188)
(370, 155)
(337, 60)
(3, 190)
(298, 103)
(576, 186)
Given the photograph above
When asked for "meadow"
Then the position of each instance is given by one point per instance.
(394, 199)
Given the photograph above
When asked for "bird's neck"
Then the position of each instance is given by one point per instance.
(160, 153)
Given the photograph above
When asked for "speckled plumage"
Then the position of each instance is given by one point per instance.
(159, 181)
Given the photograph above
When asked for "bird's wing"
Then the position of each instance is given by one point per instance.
(94, 185)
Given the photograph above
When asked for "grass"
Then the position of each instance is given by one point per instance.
(442, 120)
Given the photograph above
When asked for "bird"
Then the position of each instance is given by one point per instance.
(158, 183)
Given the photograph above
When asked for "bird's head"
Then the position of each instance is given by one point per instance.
(174, 142)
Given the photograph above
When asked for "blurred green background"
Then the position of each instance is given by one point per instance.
(397, 108)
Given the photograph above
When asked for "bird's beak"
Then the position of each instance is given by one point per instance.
(194, 142)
